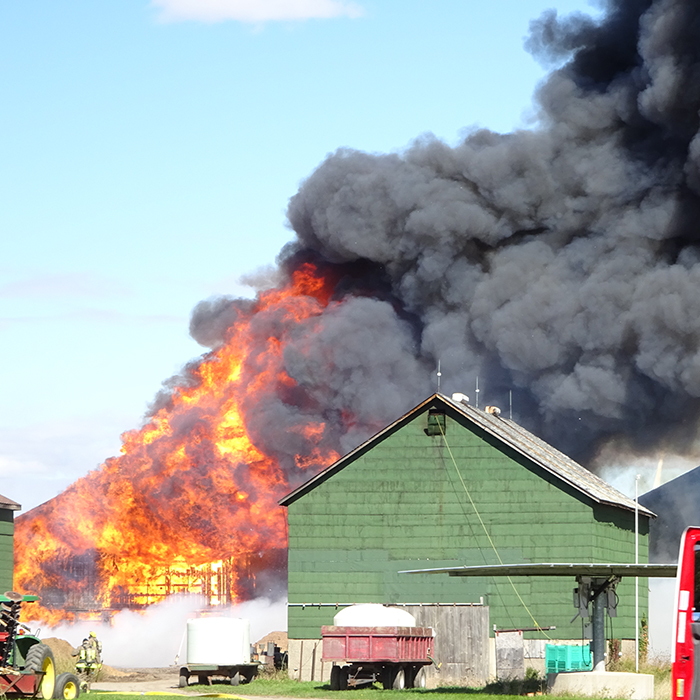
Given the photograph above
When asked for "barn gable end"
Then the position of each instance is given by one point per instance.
(414, 498)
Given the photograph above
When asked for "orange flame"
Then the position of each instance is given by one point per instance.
(191, 503)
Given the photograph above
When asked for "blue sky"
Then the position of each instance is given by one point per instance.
(149, 151)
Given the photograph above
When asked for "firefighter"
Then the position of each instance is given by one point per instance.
(89, 662)
(81, 653)
(94, 650)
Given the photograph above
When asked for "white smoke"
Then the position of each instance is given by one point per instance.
(157, 637)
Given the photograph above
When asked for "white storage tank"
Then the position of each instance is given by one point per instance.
(373, 615)
(218, 641)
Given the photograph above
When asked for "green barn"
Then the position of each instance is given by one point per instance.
(7, 534)
(448, 484)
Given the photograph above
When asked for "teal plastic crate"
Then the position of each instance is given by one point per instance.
(560, 658)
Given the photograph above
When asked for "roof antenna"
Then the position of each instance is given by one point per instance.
(511, 403)
(439, 374)
(477, 391)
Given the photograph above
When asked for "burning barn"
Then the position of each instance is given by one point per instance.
(448, 483)
(560, 264)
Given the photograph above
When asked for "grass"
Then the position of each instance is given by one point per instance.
(280, 685)
(296, 689)
(661, 670)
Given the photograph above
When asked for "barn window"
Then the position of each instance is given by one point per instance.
(436, 423)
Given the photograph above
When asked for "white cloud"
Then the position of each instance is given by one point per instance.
(254, 11)
(75, 284)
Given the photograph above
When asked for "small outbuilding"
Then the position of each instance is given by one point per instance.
(676, 506)
(448, 484)
(7, 538)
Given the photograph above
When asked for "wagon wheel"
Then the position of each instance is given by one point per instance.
(399, 680)
(343, 678)
(417, 674)
(235, 679)
(388, 677)
(335, 678)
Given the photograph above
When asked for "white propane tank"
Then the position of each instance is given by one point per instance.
(373, 615)
(218, 641)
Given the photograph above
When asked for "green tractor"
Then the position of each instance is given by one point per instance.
(27, 667)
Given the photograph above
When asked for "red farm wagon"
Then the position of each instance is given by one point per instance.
(395, 656)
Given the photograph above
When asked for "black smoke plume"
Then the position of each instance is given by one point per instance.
(560, 263)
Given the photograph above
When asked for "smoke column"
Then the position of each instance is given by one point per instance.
(561, 263)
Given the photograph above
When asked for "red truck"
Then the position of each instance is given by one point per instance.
(685, 653)
(393, 655)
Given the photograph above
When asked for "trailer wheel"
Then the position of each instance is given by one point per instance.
(39, 660)
(399, 680)
(67, 687)
(417, 677)
(183, 681)
(387, 677)
(335, 678)
(235, 679)
(343, 678)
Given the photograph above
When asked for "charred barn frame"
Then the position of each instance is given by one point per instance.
(214, 584)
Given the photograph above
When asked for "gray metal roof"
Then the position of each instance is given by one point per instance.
(595, 570)
(547, 456)
(509, 433)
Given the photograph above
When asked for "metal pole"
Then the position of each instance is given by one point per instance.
(636, 578)
(598, 620)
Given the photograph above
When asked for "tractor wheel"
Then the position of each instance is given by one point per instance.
(39, 660)
(67, 687)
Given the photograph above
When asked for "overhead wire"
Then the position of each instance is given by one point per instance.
(486, 532)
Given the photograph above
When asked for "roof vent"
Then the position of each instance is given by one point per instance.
(460, 398)
(493, 410)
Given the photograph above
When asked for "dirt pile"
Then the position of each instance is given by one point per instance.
(278, 638)
(65, 661)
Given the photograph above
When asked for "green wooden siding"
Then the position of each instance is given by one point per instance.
(7, 531)
(402, 505)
